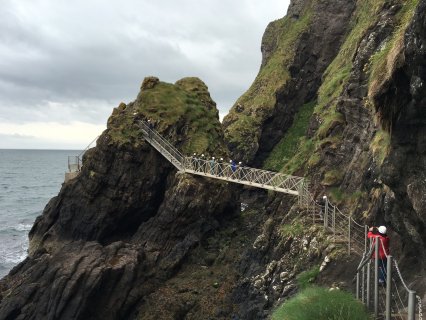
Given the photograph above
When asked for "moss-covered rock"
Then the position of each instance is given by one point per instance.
(184, 112)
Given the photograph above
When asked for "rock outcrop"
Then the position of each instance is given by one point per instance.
(127, 222)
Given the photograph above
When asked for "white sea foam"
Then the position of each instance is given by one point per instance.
(23, 227)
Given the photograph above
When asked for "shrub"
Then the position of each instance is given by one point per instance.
(321, 304)
(306, 278)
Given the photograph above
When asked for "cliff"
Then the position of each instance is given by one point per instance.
(339, 98)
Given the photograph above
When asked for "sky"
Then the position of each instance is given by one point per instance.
(64, 65)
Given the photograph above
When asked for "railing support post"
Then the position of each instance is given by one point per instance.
(388, 287)
(363, 285)
(376, 277)
(349, 236)
(368, 284)
(357, 285)
(411, 305)
(326, 212)
(334, 223)
(365, 238)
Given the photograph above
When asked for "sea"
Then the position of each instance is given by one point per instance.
(28, 180)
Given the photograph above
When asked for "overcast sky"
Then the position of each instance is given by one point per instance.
(65, 64)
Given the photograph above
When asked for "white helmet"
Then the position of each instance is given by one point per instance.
(382, 229)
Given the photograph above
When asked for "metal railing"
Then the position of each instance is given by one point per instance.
(386, 293)
(344, 227)
(76, 162)
(162, 145)
(244, 175)
(223, 170)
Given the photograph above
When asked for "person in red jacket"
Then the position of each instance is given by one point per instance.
(380, 234)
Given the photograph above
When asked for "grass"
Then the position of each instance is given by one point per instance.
(380, 145)
(307, 154)
(321, 304)
(305, 279)
(294, 229)
(187, 102)
(289, 144)
(332, 177)
(337, 73)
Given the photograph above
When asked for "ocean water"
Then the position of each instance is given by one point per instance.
(28, 180)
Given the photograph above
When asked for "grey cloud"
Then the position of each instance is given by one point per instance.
(75, 61)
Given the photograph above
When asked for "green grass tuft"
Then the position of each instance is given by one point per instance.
(292, 230)
(289, 144)
(321, 304)
(305, 279)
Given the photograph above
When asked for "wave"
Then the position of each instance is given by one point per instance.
(23, 227)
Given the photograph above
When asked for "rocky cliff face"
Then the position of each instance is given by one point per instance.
(127, 222)
(339, 98)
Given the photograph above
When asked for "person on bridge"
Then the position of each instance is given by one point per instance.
(212, 171)
(151, 127)
(380, 234)
(233, 165)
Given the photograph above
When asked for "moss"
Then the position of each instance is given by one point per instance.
(295, 229)
(337, 73)
(380, 145)
(386, 61)
(332, 177)
(331, 119)
(188, 103)
(288, 146)
(336, 195)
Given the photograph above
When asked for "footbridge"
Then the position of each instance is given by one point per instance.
(392, 300)
(225, 171)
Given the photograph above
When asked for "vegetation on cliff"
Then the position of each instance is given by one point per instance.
(185, 106)
(244, 122)
(322, 304)
(305, 154)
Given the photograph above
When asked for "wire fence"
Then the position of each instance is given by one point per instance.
(381, 287)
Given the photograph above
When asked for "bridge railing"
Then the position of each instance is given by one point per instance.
(162, 144)
(381, 287)
(345, 227)
(245, 175)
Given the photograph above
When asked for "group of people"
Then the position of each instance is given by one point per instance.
(213, 162)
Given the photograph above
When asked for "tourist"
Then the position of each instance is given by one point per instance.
(212, 166)
(380, 234)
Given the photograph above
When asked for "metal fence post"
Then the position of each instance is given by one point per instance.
(411, 305)
(368, 284)
(349, 231)
(376, 277)
(334, 223)
(357, 285)
(363, 285)
(365, 238)
(326, 212)
(388, 287)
